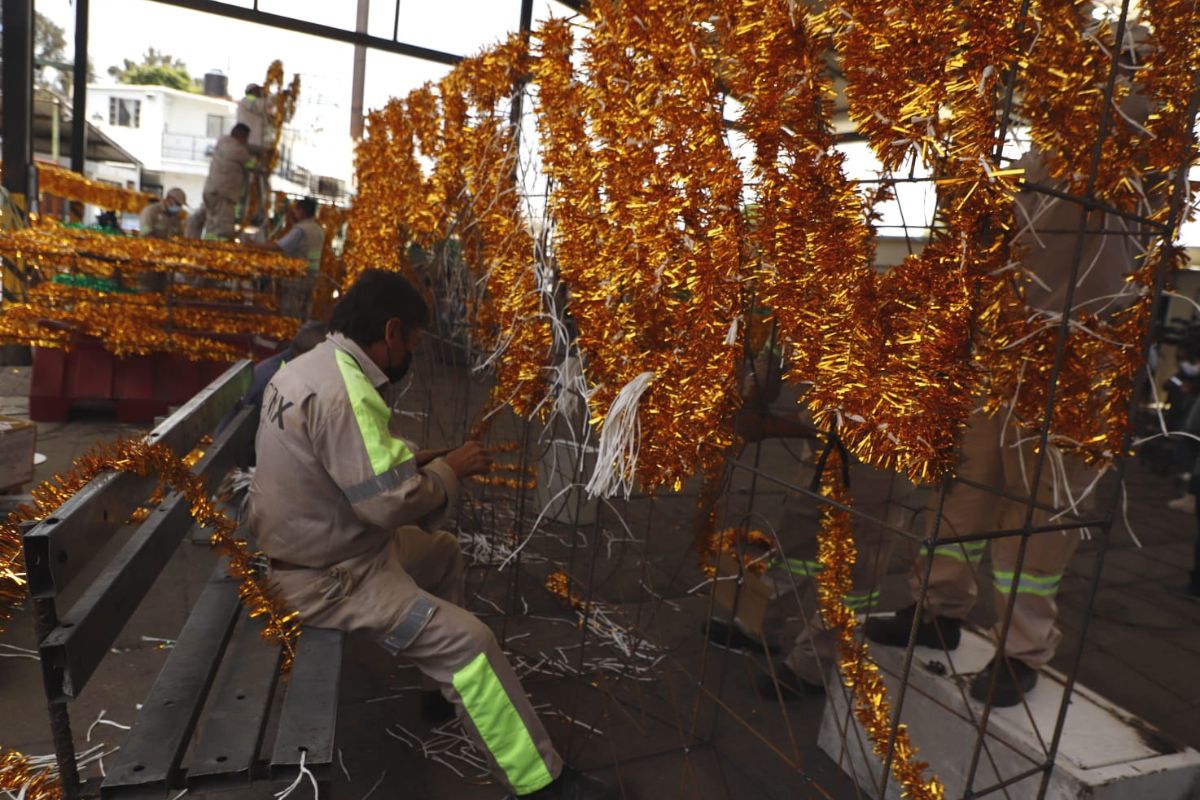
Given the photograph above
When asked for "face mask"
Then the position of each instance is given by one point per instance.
(1189, 369)
(172, 209)
(395, 373)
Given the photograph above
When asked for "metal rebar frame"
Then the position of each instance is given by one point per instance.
(697, 716)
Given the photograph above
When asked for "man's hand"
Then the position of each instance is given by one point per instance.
(423, 457)
(470, 459)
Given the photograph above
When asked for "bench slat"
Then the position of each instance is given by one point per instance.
(227, 744)
(148, 763)
(73, 650)
(62, 545)
(309, 717)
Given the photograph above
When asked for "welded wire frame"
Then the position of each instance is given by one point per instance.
(513, 520)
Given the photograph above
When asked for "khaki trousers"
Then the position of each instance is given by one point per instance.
(219, 215)
(815, 647)
(1033, 635)
(409, 595)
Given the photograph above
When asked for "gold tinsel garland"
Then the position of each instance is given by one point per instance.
(51, 247)
(283, 108)
(469, 196)
(837, 553)
(1139, 162)
(173, 472)
(649, 229)
(19, 777)
(55, 180)
(282, 627)
(135, 324)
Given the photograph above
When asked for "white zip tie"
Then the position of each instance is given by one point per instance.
(304, 771)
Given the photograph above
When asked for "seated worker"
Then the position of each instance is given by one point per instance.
(163, 219)
(306, 240)
(347, 512)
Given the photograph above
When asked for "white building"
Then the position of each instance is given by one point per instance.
(173, 132)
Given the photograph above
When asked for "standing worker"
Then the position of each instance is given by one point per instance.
(306, 240)
(347, 513)
(231, 162)
(252, 112)
(161, 219)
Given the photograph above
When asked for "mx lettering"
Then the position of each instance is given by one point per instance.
(276, 408)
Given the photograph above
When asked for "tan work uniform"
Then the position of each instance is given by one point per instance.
(252, 112)
(340, 506)
(156, 222)
(992, 455)
(305, 240)
(223, 187)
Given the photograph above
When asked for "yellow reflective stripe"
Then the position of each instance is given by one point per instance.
(967, 552)
(370, 412)
(500, 726)
(1027, 583)
(799, 566)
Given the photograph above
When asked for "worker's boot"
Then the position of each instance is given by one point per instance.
(1015, 679)
(572, 784)
(731, 637)
(790, 685)
(893, 631)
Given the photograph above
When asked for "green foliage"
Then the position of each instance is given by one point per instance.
(156, 69)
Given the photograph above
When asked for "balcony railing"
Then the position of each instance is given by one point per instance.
(185, 147)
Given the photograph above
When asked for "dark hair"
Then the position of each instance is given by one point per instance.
(241, 127)
(377, 296)
(308, 205)
(308, 337)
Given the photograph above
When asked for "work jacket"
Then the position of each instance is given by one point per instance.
(227, 171)
(252, 112)
(305, 240)
(156, 222)
(333, 481)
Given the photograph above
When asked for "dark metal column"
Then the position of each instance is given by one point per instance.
(80, 78)
(18, 98)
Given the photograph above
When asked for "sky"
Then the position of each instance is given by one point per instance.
(121, 29)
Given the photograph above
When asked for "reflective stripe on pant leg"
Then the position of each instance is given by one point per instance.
(799, 566)
(966, 552)
(1027, 583)
(500, 726)
(859, 601)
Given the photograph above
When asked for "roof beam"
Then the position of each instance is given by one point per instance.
(314, 29)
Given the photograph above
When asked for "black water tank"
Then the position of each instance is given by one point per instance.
(216, 84)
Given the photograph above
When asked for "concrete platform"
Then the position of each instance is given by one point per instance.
(1106, 752)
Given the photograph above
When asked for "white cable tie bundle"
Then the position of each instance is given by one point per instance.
(616, 457)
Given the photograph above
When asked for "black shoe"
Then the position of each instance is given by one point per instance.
(1015, 680)
(791, 685)
(937, 632)
(573, 785)
(728, 635)
(436, 709)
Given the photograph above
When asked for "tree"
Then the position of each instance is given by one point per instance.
(51, 69)
(158, 69)
(49, 45)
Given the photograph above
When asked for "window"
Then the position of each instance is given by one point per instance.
(126, 113)
(216, 126)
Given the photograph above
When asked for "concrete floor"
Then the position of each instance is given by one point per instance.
(696, 729)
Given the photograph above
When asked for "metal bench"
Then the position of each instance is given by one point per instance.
(204, 724)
